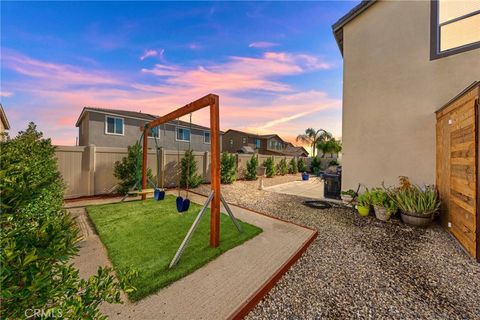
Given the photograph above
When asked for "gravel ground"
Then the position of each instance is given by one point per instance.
(362, 268)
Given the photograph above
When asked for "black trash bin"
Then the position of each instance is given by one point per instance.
(332, 185)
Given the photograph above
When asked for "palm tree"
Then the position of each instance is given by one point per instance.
(312, 137)
(331, 146)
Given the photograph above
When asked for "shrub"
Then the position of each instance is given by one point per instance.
(129, 170)
(189, 177)
(413, 199)
(39, 238)
(315, 165)
(334, 162)
(282, 168)
(228, 168)
(292, 166)
(301, 165)
(269, 167)
(252, 164)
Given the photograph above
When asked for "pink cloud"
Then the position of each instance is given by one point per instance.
(262, 44)
(152, 53)
(65, 89)
(6, 94)
(55, 73)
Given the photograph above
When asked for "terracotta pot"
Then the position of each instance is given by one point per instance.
(416, 219)
(381, 213)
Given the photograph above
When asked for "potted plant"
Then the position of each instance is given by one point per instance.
(305, 176)
(383, 205)
(364, 203)
(348, 196)
(418, 206)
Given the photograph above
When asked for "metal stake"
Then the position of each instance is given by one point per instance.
(230, 213)
(190, 232)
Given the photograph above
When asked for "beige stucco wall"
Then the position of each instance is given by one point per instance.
(391, 90)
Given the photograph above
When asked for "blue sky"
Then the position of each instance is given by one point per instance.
(275, 65)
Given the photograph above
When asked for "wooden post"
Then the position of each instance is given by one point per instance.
(144, 161)
(215, 167)
(211, 100)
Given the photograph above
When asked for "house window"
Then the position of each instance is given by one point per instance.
(154, 132)
(244, 140)
(183, 134)
(206, 137)
(231, 142)
(257, 143)
(455, 27)
(114, 125)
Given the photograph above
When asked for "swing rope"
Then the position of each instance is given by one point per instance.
(179, 167)
(190, 150)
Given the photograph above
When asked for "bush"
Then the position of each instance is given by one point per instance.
(189, 177)
(129, 170)
(292, 166)
(252, 164)
(315, 165)
(269, 167)
(334, 162)
(228, 168)
(301, 165)
(39, 238)
(282, 167)
(365, 199)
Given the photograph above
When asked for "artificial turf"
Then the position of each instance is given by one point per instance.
(145, 235)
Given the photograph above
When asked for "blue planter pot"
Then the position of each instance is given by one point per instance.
(305, 176)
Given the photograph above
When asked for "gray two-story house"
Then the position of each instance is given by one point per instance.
(121, 128)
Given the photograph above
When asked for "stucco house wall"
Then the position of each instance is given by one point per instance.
(92, 131)
(391, 90)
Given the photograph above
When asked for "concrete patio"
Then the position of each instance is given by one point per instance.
(312, 188)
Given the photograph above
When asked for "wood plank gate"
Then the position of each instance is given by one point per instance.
(457, 171)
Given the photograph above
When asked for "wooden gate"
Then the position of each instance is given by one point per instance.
(457, 168)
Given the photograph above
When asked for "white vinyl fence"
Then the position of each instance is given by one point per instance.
(88, 170)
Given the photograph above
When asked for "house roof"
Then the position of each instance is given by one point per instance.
(135, 115)
(261, 136)
(293, 150)
(337, 27)
(3, 118)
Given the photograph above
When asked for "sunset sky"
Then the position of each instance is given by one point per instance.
(276, 65)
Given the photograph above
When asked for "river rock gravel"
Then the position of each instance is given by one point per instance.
(362, 268)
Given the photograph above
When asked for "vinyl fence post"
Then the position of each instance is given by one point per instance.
(89, 168)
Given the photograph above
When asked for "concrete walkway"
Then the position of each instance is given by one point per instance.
(312, 188)
(221, 289)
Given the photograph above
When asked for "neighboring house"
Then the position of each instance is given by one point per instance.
(4, 125)
(292, 150)
(402, 61)
(121, 128)
(269, 144)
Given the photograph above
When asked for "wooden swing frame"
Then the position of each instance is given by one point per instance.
(212, 101)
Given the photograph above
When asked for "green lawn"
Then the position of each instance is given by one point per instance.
(146, 234)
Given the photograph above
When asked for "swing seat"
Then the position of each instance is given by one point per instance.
(182, 204)
(159, 194)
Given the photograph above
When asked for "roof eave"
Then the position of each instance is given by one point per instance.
(337, 27)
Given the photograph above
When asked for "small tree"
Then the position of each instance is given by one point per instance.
(282, 167)
(189, 176)
(269, 167)
(129, 170)
(292, 166)
(301, 165)
(228, 168)
(315, 165)
(252, 164)
(39, 238)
